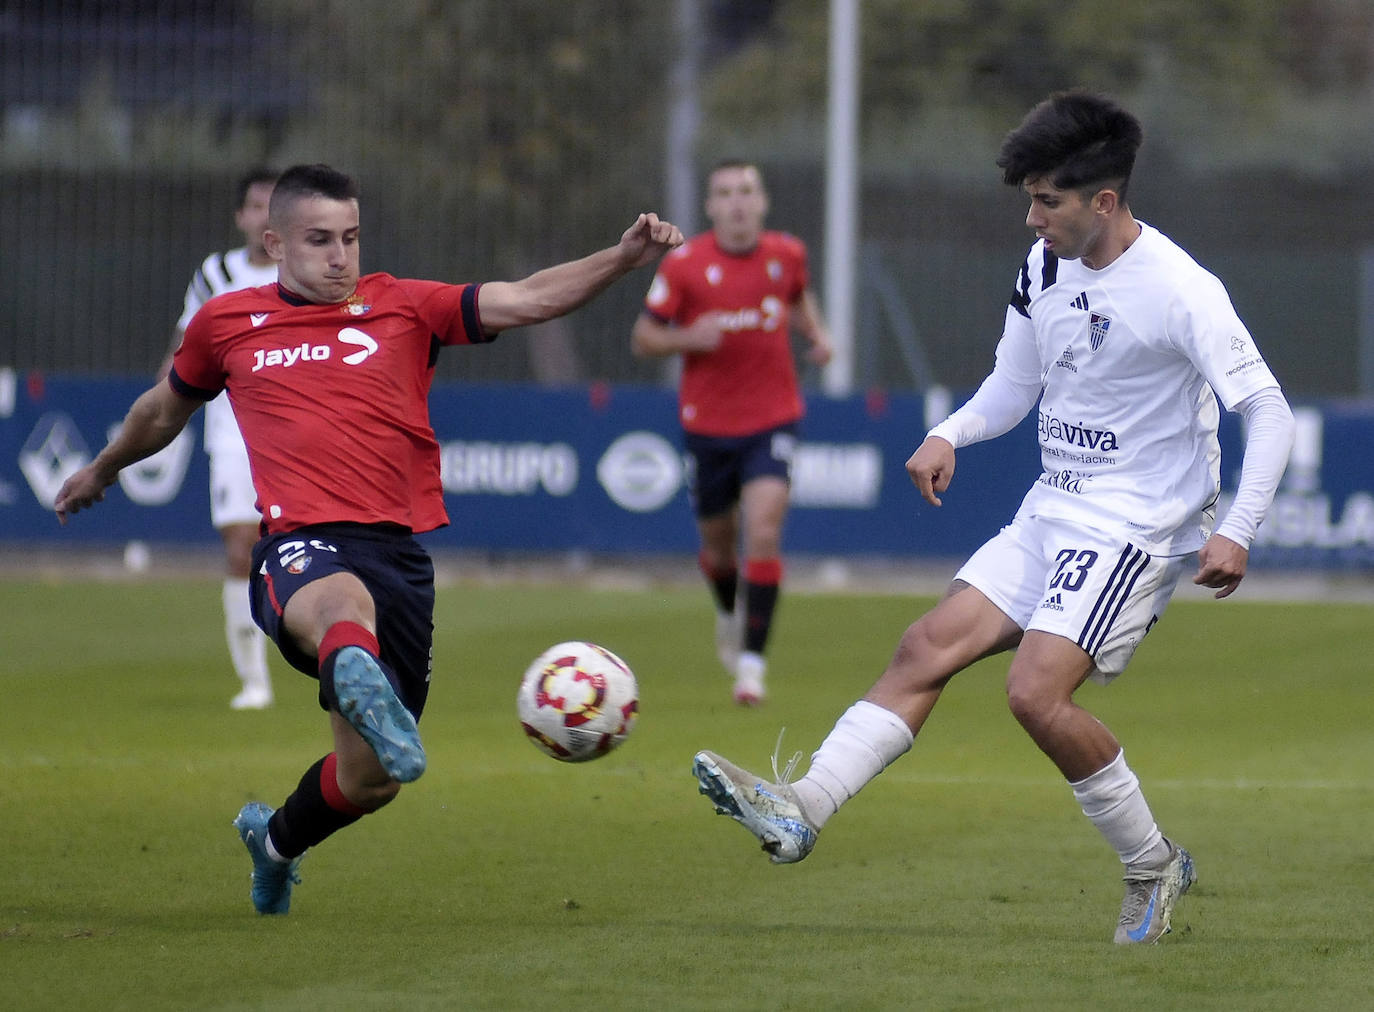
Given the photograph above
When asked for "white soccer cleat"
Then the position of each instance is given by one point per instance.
(749, 672)
(1150, 897)
(253, 697)
(772, 812)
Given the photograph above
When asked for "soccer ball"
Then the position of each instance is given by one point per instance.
(577, 701)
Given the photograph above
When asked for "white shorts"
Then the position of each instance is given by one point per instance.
(1095, 589)
(233, 500)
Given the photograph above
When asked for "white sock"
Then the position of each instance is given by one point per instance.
(1112, 800)
(864, 741)
(247, 644)
(272, 851)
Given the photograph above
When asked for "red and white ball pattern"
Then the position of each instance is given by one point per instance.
(578, 701)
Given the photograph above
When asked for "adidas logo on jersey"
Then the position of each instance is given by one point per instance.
(1055, 602)
(1081, 302)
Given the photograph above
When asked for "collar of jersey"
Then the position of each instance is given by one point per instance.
(290, 297)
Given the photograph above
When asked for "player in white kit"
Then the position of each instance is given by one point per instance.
(233, 501)
(1127, 344)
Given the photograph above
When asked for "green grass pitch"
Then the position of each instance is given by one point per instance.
(963, 878)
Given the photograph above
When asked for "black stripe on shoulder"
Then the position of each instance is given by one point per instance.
(200, 285)
(1049, 273)
(1020, 294)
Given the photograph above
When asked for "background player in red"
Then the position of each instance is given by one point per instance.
(328, 372)
(727, 302)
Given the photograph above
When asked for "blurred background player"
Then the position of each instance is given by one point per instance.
(233, 509)
(727, 302)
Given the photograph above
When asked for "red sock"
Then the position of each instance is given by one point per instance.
(347, 634)
(329, 788)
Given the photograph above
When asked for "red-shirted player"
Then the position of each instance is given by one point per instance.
(329, 374)
(727, 302)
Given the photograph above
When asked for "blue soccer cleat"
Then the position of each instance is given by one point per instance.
(367, 701)
(272, 879)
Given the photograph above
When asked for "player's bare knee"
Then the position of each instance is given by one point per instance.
(1034, 708)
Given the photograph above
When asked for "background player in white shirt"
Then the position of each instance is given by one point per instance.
(1127, 344)
(233, 502)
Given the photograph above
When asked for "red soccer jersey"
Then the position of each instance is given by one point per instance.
(749, 383)
(333, 399)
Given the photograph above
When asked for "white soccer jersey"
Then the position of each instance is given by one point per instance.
(220, 273)
(1128, 358)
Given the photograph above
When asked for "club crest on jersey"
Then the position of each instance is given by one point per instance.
(1097, 329)
(355, 306)
(774, 270)
(298, 565)
(713, 274)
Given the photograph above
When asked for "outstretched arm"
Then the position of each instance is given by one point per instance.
(555, 291)
(152, 422)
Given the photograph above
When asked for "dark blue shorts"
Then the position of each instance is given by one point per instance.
(394, 568)
(719, 466)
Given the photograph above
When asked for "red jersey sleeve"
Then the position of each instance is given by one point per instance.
(196, 371)
(450, 311)
(664, 300)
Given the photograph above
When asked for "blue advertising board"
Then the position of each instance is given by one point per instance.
(600, 469)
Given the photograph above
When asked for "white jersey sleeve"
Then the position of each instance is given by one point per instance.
(1203, 325)
(1004, 397)
(1269, 430)
(1133, 359)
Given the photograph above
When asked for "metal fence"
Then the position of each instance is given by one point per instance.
(96, 254)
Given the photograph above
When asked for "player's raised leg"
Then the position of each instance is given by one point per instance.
(871, 735)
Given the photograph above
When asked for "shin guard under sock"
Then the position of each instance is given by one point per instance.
(336, 637)
(864, 741)
(315, 810)
(1112, 800)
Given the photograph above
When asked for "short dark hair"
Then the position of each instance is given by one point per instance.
(1075, 139)
(251, 178)
(734, 163)
(316, 180)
